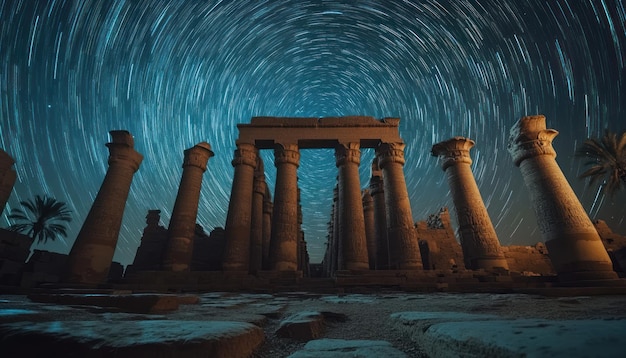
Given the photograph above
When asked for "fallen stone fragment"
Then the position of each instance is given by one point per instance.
(302, 326)
(338, 348)
(130, 339)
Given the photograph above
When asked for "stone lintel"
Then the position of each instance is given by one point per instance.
(325, 132)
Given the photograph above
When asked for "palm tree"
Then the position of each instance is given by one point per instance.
(607, 160)
(42, 218)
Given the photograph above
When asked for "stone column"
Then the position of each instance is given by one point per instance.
(256, 224)
(268, 207)
(238, 221)
(353, 253)
(403, 248)
(479, 241)
(7, 178)
(377, 192)
(284, 241)
(574, 246)
(370, 229)
(336, 244)
(90, 257)
(181, 230)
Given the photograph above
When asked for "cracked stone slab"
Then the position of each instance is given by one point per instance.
(162, 338)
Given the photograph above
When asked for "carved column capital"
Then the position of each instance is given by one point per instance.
(198, 155)
(390, 153)
(529, 138)
(121, 151)
(245, 154)
(453, 151)
(347, 152)
(286, 154)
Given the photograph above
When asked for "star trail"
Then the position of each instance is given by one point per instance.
(175, 73)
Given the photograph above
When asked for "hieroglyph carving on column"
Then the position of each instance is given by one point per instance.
(574, 246)
(284, 240)
(182, 226)
(353, 253)
(377, 191)
(268, 208)
(256, 225)
(403, 247)
(370, 229)
(90, 257)
(238, 221)
(7, 178)
(479, 241)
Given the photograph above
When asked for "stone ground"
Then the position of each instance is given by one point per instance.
(389, 324)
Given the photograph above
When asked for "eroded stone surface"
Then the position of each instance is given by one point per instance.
(527, 338)
(131, 339)
(337, 348)
(302, 326)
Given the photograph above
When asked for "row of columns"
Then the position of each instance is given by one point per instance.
(372, 229)
(576, 250)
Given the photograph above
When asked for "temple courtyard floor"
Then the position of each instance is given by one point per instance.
(71, 323)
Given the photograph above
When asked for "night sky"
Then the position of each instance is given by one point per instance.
(175, 73)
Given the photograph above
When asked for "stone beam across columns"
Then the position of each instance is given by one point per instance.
(284, 240)
(90, 258)
(353, 253)
(573, 243)
(479, 241)
(238, 221)
(403, 247)
(182, 225)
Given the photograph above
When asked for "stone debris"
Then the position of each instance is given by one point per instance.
(339, 348)
(160, 338)
(302, 326)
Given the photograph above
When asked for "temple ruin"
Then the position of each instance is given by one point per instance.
(372, 239)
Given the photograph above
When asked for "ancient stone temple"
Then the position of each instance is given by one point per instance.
(90, 258)
(348, 241)
(182, 226)
(573, 243)
(481, 248)
(7, 178)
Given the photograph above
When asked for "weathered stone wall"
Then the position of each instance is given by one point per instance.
(615, 245)
(438, 245)
(208, 250)
(529, 260)
(14, 250)
(150, 252)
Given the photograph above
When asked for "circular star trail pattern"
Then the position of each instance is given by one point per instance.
(175, 73)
